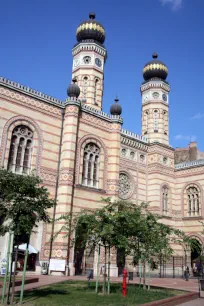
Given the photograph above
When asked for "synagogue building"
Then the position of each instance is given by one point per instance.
(83, 154)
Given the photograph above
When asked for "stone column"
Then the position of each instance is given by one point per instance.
(113, 174)
(65, 191)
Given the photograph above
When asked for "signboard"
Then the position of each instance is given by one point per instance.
(57, 265)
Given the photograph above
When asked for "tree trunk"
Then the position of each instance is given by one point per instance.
(144, 275)
(104, 275)
(98, 268)
(140, 272)
(149, 275)
(109, 270)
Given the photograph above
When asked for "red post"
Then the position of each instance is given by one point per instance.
(124, 287)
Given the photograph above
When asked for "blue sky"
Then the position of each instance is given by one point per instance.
(37, 38)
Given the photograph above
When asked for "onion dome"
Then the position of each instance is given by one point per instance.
(91, 29)
(116, 109)
(155, 69)
(73, 91)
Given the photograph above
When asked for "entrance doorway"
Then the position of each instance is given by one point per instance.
(196, 258)
(83, 255)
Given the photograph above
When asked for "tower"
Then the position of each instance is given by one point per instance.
(155, 101)
(89, 56)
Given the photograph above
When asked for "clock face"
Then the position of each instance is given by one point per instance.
(155, 95)
(86, 59)
(98, 62)
(164, 97)
(76, 62)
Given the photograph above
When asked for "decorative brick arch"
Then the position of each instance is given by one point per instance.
(197, 237)
(80, 148)
(198, 185)
(169, 197)
(7, 131)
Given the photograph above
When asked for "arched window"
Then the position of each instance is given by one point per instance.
(90, 175)
(146, 120)
(193, 199)
(85, 86)
(156, 116)
(20, 150)
(96, 85)
(165, 122)
(165, 192)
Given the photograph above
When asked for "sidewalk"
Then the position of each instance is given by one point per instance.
(198, 302)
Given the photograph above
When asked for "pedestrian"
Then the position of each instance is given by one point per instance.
(186, 273)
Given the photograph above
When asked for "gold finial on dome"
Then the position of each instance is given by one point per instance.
(92, 15)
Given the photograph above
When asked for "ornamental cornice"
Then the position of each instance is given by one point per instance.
(134, 144)
(127, 164)
(191, 164)
(160, 149)
(189, 171)
(30, 102)
(72, 101)
(95, 122)
(156, 167)
(155, 84)
(89, 46)
(30, 92)
(102, 115)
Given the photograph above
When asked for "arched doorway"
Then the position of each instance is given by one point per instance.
(196, 258)
(83, 255)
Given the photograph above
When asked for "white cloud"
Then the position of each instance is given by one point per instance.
(185, 137)
(198, 116)
(175, 4)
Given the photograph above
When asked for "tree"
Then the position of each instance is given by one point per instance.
(23, 203)
(124, 225)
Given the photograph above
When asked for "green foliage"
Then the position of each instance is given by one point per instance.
(76, 293)
(23, 203)
(125, 226)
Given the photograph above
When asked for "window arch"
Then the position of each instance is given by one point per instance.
(90, 174)
(85, 87)
(193, 200)
(156, 117)
(96, 88)
(165, 122)
(20, 149)
(165, 198)
(146, 120)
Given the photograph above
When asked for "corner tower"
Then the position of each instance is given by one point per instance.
(89, 56)
(155, 101)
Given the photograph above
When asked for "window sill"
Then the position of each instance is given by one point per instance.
(193, 218)
(90, 188)
(166, 216)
